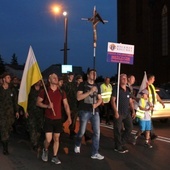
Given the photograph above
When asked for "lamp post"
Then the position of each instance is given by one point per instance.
(57, 10)
(65, 36)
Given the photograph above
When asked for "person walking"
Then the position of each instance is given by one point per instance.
(153, 98)
(8, 110)
(89, 98)
(71, 89)
(79, 79)
(144, 114)
(122, 114)
(106, 91)
(130, 83)
(53, 118)
(35, 116)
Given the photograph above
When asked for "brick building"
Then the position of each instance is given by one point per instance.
(145, 24)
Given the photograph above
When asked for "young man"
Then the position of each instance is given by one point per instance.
(35, 116)
(53, 118)
(71, 89)
(89, 98)
(153, 98)
(122, 114)
(8, 110)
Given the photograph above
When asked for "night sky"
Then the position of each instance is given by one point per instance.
(31, 22)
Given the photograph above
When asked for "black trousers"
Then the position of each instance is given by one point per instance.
(121, 137)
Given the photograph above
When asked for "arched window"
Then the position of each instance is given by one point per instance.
(164, 31)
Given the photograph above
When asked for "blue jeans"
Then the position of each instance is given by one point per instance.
(84, 117)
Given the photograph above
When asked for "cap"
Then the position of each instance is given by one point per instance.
(144, 92)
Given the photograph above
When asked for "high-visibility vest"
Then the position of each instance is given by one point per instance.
(106, 92)
(151, 94)
(141, 113)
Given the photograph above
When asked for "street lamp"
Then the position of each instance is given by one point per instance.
(57, 10)
(65, 36)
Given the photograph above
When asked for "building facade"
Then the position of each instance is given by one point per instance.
(145, 24)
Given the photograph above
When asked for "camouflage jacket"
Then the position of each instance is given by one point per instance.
(8, 101)
(33, 109)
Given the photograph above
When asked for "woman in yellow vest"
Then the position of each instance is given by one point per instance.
(144, 115)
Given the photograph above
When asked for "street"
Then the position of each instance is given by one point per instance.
(22, 157)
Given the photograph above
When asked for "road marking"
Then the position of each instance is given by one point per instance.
(160, 138)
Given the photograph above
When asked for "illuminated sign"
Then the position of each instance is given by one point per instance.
(120, 53)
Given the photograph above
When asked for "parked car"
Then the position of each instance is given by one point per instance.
(166, 86)
(159, 112)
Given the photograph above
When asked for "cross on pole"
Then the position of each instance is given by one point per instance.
(95, 19)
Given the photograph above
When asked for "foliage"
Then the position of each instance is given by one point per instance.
(14, 60)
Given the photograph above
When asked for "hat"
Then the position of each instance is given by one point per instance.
(144, 92)
(70, 73)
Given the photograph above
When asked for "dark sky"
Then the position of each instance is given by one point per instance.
(30, 22)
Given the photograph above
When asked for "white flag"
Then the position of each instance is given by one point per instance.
(144, 84)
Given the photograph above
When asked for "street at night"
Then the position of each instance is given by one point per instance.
(22, 157)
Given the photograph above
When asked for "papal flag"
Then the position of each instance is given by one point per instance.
(144, 84)
(30, 76)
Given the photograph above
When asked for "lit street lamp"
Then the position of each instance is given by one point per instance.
(57, 10)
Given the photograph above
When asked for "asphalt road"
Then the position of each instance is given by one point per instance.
(22, 157)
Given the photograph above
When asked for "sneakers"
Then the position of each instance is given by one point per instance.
(97, 156)
(55, 160)
(148, 145)
(125, 148)
(120, 150)
(77, 149)
(44, 155)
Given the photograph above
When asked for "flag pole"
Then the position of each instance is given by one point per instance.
(118, 83)
(47, 96)
(95, 19)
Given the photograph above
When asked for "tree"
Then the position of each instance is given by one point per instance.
(2, 65)
(14, 60)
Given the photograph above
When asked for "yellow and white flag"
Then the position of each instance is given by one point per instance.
(31, 75)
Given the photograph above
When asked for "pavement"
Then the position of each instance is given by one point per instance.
(22, 157)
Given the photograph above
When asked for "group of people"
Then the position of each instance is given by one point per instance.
(125, 112)
(83, 99)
